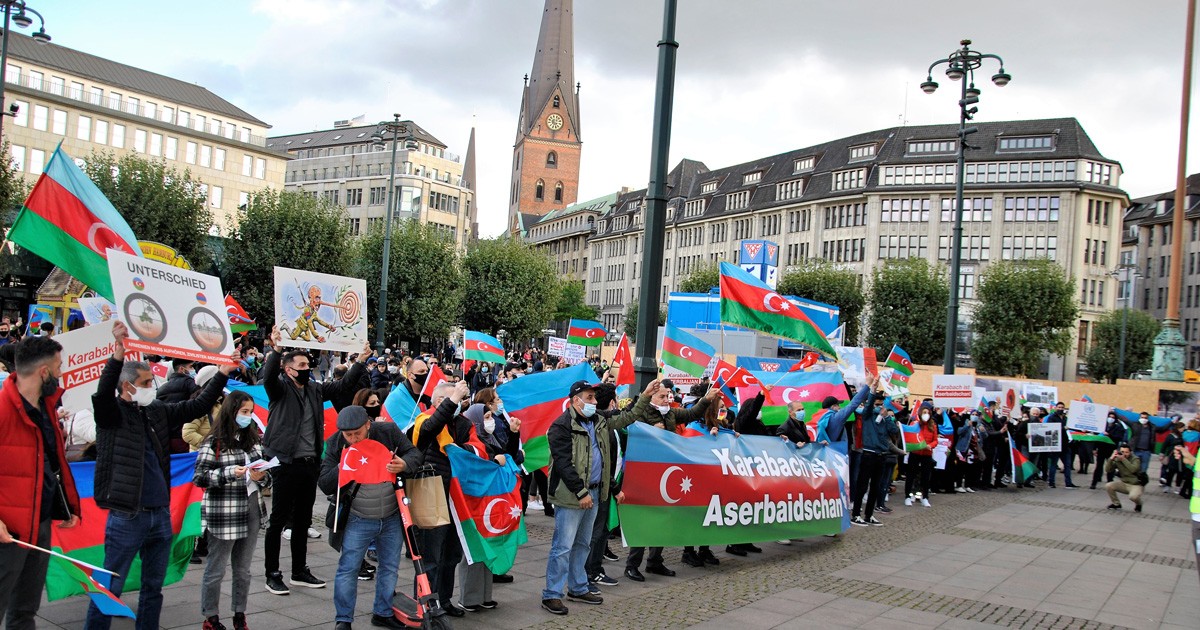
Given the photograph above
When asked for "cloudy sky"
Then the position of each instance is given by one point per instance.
(755, 77)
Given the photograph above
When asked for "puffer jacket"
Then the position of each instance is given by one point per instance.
(22, 449)
(571, 451)
(285, 411)
(121, 428)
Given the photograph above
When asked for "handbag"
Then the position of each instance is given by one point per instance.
(427, 497)
(78, 451)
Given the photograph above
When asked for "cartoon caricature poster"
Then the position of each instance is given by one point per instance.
(320, 311)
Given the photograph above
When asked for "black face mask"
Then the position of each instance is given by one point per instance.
(419, 379)
(302, 376)
(49, 386)
(373, 412)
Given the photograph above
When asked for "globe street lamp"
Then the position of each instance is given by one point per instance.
(16, 12)
(961, 66)
(398, 130)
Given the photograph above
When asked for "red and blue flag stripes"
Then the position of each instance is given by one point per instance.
(538, 399)
(482, 347)
(585, 332)
(686, 352)
(96, 584)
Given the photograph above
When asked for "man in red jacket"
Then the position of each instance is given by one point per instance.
(36, 485)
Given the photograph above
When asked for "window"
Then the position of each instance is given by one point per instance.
(1027, 143)
(844, 180)
(22, 117)
(862, 152)
(974, 209)
(918, 175)
(1099, 173)
(1029, 247)
(1031, 209)
(60, 123)
(167, 114)
(353, 226)
(172, 151)
(260, 168)
(693, 208)
(118, 136)
(205, 155)
(789, 190)
(37, 160)
(57, 85)
(803, 164)
(84, 129)
(101, 135)
(18, 157)
(558, 192)
(539, 191)
(750, 178)
(190, 153)
(332, 196)
(378, 195)
(41, 117)
(215, 195)
(708, 187)
(737, 200)
(139, 140)
(905, 210)
(552, 158)
(966, 284)
(247, 165)
(931, 146)
(201, 122)
(156, 144)
(556, 101)
(903, 246)
(244, 136)
(219, 159)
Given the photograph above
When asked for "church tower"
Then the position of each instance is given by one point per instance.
(545, 173)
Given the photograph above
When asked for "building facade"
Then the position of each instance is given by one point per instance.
(90, 104)
(1034, 189)
(344, 166)
(563, 234)
(1147, 253)
(546, 153)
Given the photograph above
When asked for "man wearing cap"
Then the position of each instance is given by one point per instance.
(367, 512)
(581, 451)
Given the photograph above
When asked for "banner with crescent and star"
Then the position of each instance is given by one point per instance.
(718, 490)
(485, 503)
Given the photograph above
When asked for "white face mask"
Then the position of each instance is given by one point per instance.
(393, 369)
(143, 395)
(1143, 420)
(663, 409)
(489, 425)
(924, 416)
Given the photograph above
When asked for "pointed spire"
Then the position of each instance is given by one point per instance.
(469, 162)
(554, 62)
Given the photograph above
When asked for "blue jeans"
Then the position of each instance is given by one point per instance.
(358, 534)
(1145, 457)
(127, 534)
(1052, 460)
(565, 567)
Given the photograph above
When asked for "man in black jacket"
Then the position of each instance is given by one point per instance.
(368, 512)
(295, 428)
(133, 473)
(181, 383)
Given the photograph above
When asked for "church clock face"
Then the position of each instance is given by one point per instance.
(554, 122)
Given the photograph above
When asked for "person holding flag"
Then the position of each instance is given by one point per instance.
(360, 465)
(133, 473)
(918, 477)
(31, 493)
(232, 507)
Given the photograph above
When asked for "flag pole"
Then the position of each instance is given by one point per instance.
(66, 557)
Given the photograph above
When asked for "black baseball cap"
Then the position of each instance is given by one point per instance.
(579, 387)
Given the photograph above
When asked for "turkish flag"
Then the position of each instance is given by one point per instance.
(733, 376)
(432, 380)
(365, 461)
(624, 362)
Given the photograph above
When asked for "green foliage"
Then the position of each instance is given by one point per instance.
(512, 288)
(631, 317)
(425, 281)
(13, 191)
(821, 280)
(701, 279)
(572, 302)
(1103, 358)
(908, 307)
(1026, 309)
(284, 229)
(158, 202)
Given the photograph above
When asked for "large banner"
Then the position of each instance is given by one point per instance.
(718, 490)
(319, 311)
(84, 354)
(954, 390)
(169, 310)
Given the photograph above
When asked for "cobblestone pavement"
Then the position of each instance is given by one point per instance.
(1047, 558)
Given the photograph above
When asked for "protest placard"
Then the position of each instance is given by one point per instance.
(557, 346)
(1045, 437)
(1038, 395)
(170, 311)
(83, 356)
(852, 363)
(1087, 416)
(320, 311)
(575, 353)
(954, 390)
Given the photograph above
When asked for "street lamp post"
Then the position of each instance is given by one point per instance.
(960, 66)
(20, 18)
(396, 128)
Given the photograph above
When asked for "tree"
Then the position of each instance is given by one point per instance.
(572, 302)
(425, 281)
(512, 288)
(1103, 358)
(631, 319)
(13, 191)
(908, 307)
(158, 202)
(282, 229)
(1026, 309)
(821, 280)
(701, 280)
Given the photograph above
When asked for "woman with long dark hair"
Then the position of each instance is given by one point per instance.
(233, 507)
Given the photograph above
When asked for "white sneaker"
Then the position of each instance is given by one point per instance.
(536, 504)
(785, 541)
(908, 502)
(858, 520)
(874, 522)
(312, 533)
(925, 503)
(287, 534)
(960, 490)
(970, 489)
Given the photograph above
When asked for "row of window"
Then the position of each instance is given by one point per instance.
(1092, 292)
(845, 215)
(845, 250)
(1095, 252)
(366, 170)
(904, 246)
(1023, 172)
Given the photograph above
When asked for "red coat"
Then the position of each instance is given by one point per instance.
(22, 457)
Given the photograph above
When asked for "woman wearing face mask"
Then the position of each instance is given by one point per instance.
(233, 506)
(369, 399)
(917, 485)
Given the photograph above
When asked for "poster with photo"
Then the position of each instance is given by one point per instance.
(1045, 437)
(97, 310)
(320, 311)
(170, 311)
(1038, 395)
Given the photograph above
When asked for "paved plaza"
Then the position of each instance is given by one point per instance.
(1051, 558)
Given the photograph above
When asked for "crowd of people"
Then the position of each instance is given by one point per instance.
(138, 421)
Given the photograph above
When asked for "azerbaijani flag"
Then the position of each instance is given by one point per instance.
(239, 319)
(69, 222)
(889, 403)
(485, 499)
(686, 352)
(984, 410)
(96, 584)
(810, 388)
(86, 541)
(902, 366)
(1023, 469)
(748, 302)
(1160, 423)
(261, 403)
(945, 428)
(912, 438)
(399, 407)
(585, 332)
(1191, 441)
(1087, 436)
(483, 348)
(539, 399)
(623, 359)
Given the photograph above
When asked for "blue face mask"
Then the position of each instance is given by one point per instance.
(589, 410)
(244, 421)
